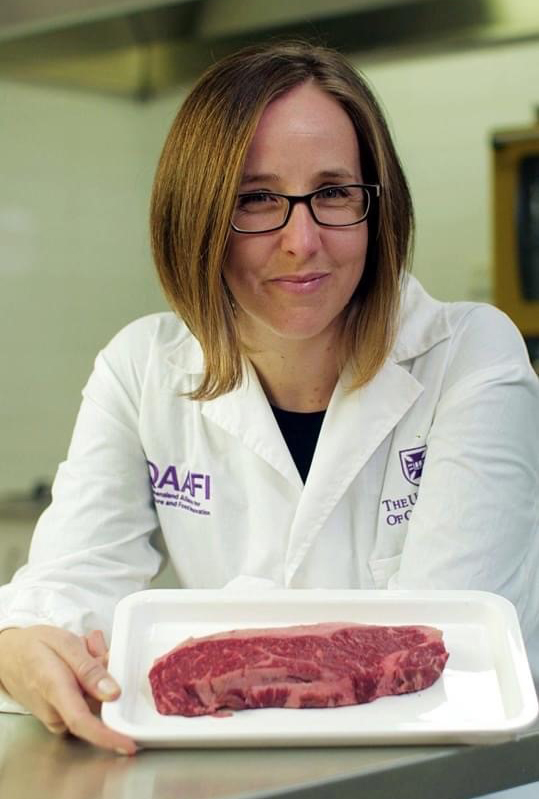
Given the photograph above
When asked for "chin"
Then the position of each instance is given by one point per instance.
(297, 326)
(301, 332)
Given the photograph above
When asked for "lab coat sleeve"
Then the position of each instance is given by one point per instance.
(92, 545)
(475, 522)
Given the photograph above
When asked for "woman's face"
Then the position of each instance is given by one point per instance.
(295, 282)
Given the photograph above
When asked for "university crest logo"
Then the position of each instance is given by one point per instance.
(412, 461)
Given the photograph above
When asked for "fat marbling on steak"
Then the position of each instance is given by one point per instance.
(314, 665)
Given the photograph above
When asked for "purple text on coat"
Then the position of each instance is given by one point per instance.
(403, 504)
(193, 482)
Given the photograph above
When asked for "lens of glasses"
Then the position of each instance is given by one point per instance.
(341, 205)
(258, 212)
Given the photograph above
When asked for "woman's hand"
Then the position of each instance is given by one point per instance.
(59, 676)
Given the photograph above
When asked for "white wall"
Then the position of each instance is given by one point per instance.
(75, 178)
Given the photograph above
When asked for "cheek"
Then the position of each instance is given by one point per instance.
(244, 262)
(352, 254)
(362, 241)
(236, 257)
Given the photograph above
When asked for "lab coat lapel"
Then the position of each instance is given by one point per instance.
(246, 414)
(243, 413)
(355, 425)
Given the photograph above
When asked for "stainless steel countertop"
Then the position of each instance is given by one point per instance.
(33, 763)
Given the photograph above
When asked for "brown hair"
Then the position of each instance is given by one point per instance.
(195, 189)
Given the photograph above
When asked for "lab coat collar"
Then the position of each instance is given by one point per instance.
(186, 356)
(423, 322)
(246, 415)
(244, 412)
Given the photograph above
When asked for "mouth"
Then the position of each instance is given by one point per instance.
(307, 278)
(301, 283)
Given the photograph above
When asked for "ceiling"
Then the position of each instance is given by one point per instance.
(139, 49)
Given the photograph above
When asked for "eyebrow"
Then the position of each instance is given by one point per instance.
(266, 177)
(261, 177)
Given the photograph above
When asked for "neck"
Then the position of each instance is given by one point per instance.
(297, 375)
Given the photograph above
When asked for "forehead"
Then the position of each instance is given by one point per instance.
(305, 125)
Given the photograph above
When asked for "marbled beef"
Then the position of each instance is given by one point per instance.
(314, 665)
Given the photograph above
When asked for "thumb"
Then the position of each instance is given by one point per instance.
(90, 672)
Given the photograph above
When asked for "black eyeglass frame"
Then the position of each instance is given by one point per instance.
(294, 199)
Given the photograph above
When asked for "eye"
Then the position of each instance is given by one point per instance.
(333, 193)
(254, 198)
(258, 202)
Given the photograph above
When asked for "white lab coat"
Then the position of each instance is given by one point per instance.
(425, 478)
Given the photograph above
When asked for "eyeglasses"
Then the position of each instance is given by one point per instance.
(332, 206)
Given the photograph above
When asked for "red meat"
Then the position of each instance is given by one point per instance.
(315, 665)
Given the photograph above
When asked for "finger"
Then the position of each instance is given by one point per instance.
(81, 722)
(49, 688)
(93, 704)
(57, 727)
(46, 713)
(96, 644)
(89, 671)
(64, 694)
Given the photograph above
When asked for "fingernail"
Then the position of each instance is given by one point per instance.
(107, 687)
(125, 752)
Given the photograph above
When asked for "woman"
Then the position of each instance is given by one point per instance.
(308, 416)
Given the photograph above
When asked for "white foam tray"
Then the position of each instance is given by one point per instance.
(485, 694)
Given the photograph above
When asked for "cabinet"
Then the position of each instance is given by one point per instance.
(516, 230)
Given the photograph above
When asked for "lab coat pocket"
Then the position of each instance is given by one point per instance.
(383, 569)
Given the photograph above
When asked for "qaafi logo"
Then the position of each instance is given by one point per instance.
(412, 461)
(181, 488)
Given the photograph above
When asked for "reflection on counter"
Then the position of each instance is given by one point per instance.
(66, 768)
(60, 766)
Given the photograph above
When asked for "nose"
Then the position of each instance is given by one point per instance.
(301, 235)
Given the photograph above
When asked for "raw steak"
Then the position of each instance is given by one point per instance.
(314, 665)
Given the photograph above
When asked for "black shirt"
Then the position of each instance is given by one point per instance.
(300, 431)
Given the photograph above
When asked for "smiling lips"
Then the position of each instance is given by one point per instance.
(301, 284)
